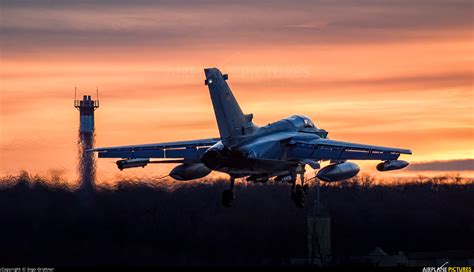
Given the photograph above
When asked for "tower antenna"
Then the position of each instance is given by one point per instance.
(97, 92)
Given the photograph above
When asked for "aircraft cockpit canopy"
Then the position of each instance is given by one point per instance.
(305, 124)
(308, 123)
(301, 121)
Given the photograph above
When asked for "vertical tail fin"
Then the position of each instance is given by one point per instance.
(230, 119)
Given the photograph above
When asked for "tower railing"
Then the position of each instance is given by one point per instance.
(86, 103)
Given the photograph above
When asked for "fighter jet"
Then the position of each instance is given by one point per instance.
(278, 151)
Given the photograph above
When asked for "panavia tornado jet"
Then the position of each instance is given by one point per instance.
(278, 151)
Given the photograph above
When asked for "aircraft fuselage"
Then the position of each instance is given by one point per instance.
(262, 151)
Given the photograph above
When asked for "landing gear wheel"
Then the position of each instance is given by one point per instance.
(227, 198)
(298, 196)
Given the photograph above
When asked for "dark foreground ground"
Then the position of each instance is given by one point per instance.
(140, 225)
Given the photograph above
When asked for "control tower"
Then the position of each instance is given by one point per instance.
(86, 107)
(86, 166)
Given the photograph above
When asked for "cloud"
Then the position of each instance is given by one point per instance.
(450, 165)
(36, 25)
(398, 83)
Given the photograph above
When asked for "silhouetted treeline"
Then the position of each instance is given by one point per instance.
(141, 225)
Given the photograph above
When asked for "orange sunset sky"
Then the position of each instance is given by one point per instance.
(393, 73)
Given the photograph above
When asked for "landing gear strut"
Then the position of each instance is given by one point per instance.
(299, 191)
(228, 196)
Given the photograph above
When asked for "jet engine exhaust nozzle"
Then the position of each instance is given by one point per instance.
(212, 159)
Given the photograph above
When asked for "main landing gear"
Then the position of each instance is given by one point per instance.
(228, 196)
(299, 191)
